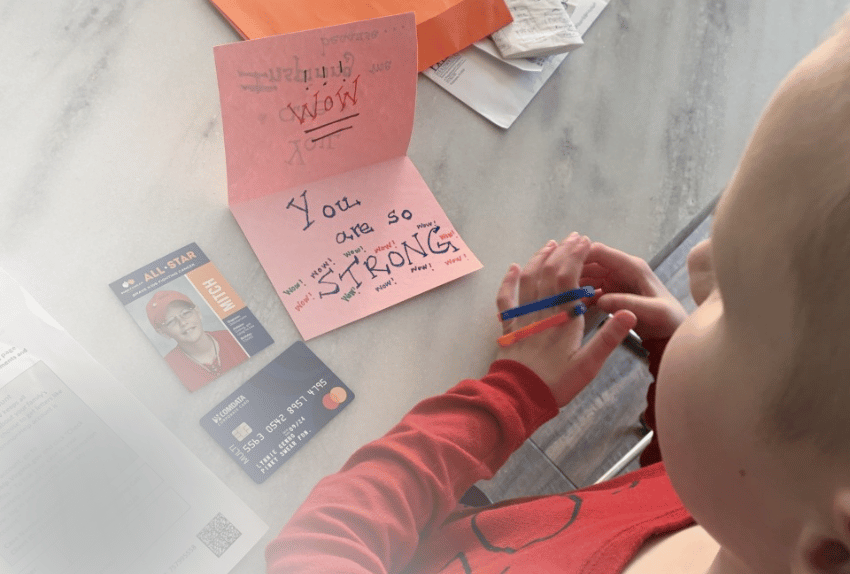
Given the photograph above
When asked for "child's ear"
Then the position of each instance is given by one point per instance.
(821, 549)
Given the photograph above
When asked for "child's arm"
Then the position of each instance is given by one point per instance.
(369, 517)
(393, 492)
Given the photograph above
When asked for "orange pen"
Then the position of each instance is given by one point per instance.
(541, 325)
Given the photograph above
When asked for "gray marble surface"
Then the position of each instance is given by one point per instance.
(112, 156)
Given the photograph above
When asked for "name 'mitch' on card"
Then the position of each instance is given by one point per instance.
(271, 416)
(192, 315)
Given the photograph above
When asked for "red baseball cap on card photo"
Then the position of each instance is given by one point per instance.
(158, 305)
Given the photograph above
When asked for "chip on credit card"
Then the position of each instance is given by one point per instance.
(266, 420)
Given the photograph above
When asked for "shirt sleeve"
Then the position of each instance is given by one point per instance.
(370, 516)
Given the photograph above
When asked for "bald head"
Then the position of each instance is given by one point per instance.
(783, 247)
(794, 173)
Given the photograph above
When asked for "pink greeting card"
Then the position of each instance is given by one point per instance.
(316, 130)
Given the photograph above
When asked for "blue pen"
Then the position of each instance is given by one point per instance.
(552, 301)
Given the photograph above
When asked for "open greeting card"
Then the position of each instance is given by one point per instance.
(316, 130)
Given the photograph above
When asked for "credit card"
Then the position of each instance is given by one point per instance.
(268, 419)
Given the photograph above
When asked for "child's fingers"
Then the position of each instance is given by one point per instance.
(610, 259)
(552, 270)
(594, 270)
(506, 296)
(631, 272)
(647, 309)
(597, 293)
(600, 277)
(569, 271)
(559, 272)
(529, 277)
(588, 360)
(561, 269)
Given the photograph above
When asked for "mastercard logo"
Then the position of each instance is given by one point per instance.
(334, 398)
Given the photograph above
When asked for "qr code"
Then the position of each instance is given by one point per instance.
(219, 535)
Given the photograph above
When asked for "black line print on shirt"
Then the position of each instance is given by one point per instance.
(487, 545)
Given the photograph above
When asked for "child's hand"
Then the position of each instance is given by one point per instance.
(701, 271)
(556, 354)
(623, 281)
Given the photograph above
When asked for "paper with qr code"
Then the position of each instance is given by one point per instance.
(269, 418)
(90, 480)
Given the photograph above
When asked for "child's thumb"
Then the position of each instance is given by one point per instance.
(590, 357)
(594, 353)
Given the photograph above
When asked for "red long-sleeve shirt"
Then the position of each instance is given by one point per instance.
(392, 507)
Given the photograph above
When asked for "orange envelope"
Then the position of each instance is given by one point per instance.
(443, 27)
(316, 129)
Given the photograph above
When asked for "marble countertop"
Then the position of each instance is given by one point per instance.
(111, 139)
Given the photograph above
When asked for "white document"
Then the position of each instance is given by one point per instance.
(90, 481)
(540, 28)
(499, 91)
(488, 46)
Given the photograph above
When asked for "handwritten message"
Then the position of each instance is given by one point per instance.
(316, 128)
(350, 245)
